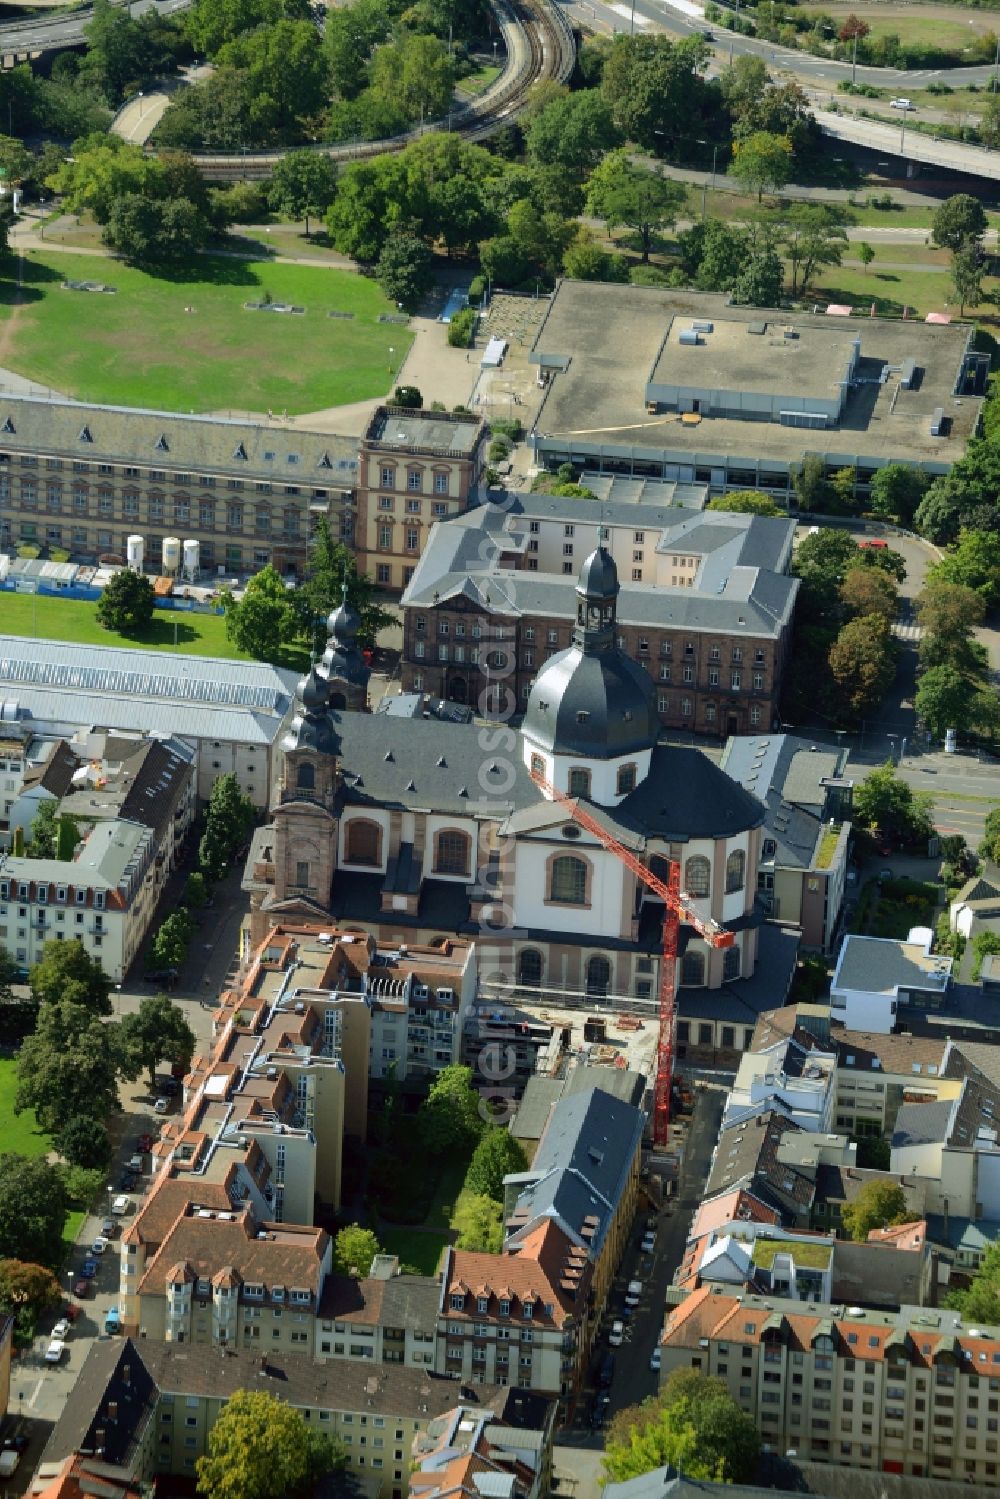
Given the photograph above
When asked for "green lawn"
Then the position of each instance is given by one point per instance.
(422, 1251)
(73, 619)
(813, 1256)
(920, 291)
(19, 1132)
(141, 347)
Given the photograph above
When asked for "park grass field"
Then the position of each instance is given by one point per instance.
(76, 620)
(20, 1132)
(141, 347)
(921, 291)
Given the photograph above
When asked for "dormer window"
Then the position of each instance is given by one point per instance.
(504, 1307)
(528, 1310)
(458, 1302)
(277, 1293)
(482, 1303)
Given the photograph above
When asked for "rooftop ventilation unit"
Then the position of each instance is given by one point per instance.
(937, 422)
(689, 336)
(702, 325)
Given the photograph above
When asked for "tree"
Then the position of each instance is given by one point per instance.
(967, 273)
(52, 836)
(264, 621)
(83, 1141)
(866, 590)
(948, 613)
(812, 487)
(101, 171)
(959, 222)
(156, 231)
(497, 1155)
(284, 73)
(228, 821)
(170, 945)
(863, 662)
(973, 563)
(32, 1210)
(478, 1221)
(694, 1424)
(980, 1300)
(66, 973)
(718, 253)
(331, 568)
(409, 397)
(865, 253)
(450, 1117)
(990, 845)
(126, 605)
(885, 801)
(897, 490)
(405, 269)
(354, 1250)
(762, 162)
(815, 235)
(18, 1011)
(584, 260)
(943, 700)
(879, 1204)
(260, 1447)
(68, 1068)
(27, 1287)
(621, 193)
(212, 23)
(158, 1032)
(571, 132)
(303, 185)
(196, 891)
(746, 502)
(655, 90)
(759, 281)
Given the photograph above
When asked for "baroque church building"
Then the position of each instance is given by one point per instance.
(417, 830)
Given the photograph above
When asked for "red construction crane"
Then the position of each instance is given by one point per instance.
(676, 905)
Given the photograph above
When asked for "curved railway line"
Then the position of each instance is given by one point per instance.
(540, 46)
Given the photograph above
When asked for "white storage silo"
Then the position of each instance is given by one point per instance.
(171, 555)
(192, 559)
(135, 552)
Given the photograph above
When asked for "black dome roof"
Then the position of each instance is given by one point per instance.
(599, 576)
(599, 706)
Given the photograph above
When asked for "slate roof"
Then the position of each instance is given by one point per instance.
(167, 440)
(974, 1236)
(785, 773)
(841, 1184)
(881, 965)
(104, 1378)
(742, 1001)
(581, 1166)
(667, 1483)
(923, 1123)
(542, 1093)
(748, 1158)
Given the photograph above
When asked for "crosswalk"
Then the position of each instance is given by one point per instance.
(908, 632)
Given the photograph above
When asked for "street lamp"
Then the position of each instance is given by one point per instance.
(715, 157)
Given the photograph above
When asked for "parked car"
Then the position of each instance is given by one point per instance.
(16, 1441)
(71, 1311)
(160, 976)
(112, 1320)
(634, 1293)
(161, 1106)
(599, 1411)
(108, 1228)
(126, 1181)
(89, 1269)
(9, 1460)
(169, 1086)
(120, 1206)
(55, 1351)
(616, 1336)
(606, 1372)
(99, 1245)
(648, 1242)
(144, 1143)
(81, 1288)
(901, 103)
(62, 1329)
(654, 1360)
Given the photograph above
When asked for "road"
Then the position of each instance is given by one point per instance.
(634, 1381)
(42, 34)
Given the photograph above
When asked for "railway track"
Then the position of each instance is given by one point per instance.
(540, 46)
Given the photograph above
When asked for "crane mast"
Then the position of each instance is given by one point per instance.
(676, 906)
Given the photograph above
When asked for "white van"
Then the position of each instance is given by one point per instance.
(120, 1206)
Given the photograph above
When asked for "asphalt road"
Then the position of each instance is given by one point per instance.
(48, 35)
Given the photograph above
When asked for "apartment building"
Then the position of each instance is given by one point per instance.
(86, 477)
(876, 976)
(808, 802)
(911, 1392)
(148, 1407)
(414, 468)
(523, 1319)
(132, 802)
(705, 604)
(580, 1075)
(384, 1318)
(793, 1073)
(468, 1450)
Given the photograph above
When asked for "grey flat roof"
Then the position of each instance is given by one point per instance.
(600, 342)
(446, 431)
(733, 358)
(880, 965)
(922, 1123)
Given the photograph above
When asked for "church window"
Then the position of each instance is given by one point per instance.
(302, 872)
(306, 777)
(363, 841)
(731, 963)
(568, 881)
(626, 779)
(735, 867)
(529, 968)
(697, 875)
(537, 765)
(451, 852)
(693, 968)
(579, 781)
(598, 976)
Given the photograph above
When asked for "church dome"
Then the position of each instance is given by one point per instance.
(592, 700)
(344, 622)
(311, 692)
(343, 661)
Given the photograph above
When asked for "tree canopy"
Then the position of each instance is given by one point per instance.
(354, 1249)
(497, 1155)
(228, 821)
(885, 801)
(32, 1210)
(450, 1117)
(746, 502)
(621, 193)
(879, 1204)
(261, 1447)
(126, 604)
(264, 620)
(67, 973)
(157, 1032)
(694, 1424)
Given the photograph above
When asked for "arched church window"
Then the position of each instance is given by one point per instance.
(735, 866)
(698, 875)
(693, 968)
(598, 976)
(451, 852)
(364, 840)
(529, 968)
(568, 881)
(731, 963)
(579, 781)
(626, 779)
